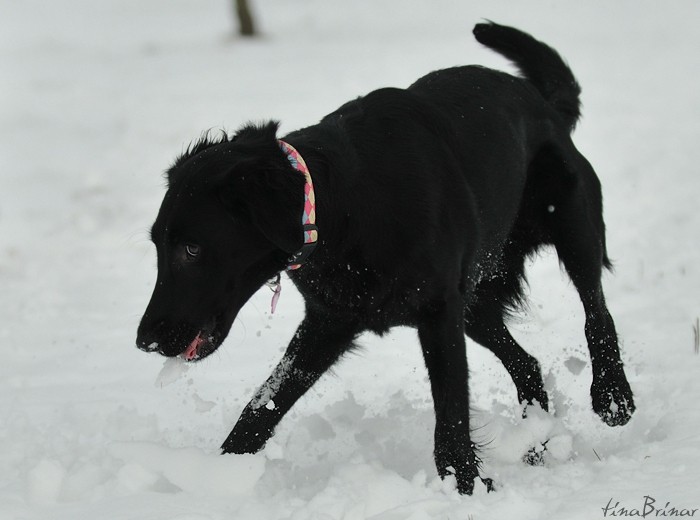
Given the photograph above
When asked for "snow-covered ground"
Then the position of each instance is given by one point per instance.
(96, 99)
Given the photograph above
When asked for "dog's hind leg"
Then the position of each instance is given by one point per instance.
(575, 222)
(484, 324)
(316, 346)
(441, 333)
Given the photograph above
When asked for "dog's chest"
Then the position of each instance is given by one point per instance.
(378, 301)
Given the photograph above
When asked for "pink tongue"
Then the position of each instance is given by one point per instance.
(193, 348)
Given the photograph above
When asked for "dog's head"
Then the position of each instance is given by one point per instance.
(230, 219)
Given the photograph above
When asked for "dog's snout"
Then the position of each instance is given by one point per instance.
(163, 337)
(147, 337)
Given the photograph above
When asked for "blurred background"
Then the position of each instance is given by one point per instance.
(96, 100)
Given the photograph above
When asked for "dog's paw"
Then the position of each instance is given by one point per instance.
(535, 455)
(242, 441)
(465, 484)
(613, 401)
(237, 446)
(537, 398)
(489, 484)
(465, 469)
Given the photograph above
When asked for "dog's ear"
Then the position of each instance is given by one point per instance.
(265, 189)
(273, 200)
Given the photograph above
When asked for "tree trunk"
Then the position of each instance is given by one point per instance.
(245, 18)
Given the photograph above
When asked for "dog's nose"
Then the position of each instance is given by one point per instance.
(148, 335)
(147, 346)
(146, 340)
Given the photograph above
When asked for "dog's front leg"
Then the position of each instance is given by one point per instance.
(318, 343)
(442, 339)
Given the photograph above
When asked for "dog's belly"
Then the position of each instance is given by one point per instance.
(375, 301)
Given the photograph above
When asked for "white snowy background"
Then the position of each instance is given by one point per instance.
(96, 99)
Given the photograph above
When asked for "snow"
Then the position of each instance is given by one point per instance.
(173, 369)
(98, 98)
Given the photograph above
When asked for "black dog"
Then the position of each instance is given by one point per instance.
(429, 200)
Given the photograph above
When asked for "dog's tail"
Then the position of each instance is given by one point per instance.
(539, 63)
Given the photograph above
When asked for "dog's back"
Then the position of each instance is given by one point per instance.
(440, 170)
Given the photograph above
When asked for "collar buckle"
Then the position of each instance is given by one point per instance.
(310, 240)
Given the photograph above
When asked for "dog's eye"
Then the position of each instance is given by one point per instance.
(192, 251)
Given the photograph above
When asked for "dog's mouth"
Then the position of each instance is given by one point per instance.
(194, 349)
(203, 344)
(190, 345)
(190, 342)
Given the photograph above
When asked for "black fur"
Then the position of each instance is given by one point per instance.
(429, 199)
